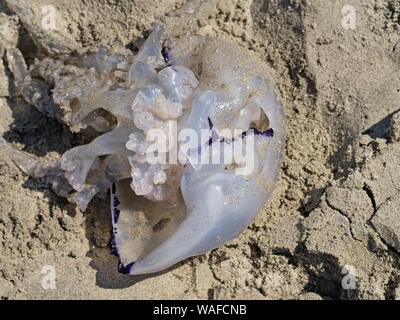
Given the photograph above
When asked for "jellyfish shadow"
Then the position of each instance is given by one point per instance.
(98, 229)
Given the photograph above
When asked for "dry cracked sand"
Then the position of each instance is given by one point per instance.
(332, 228)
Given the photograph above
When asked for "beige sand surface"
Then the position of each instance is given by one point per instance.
(336, 203)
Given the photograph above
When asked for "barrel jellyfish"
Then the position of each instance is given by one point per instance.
(187, 137)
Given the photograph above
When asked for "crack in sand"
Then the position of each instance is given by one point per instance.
(347, 217)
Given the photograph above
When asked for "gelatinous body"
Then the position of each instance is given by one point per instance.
(188, 136)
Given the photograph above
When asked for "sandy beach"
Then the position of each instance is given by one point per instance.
(332, 227)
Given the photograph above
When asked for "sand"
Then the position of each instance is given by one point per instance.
(332, 227)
